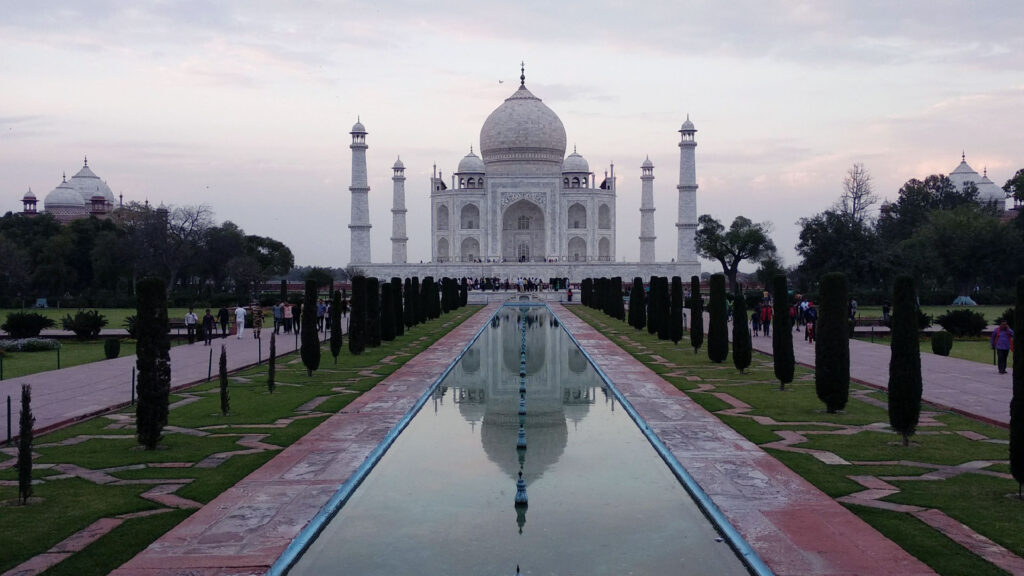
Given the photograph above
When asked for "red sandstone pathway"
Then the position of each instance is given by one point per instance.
(794, 527)
(970, 388)
(61, 396)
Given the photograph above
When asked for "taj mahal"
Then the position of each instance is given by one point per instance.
(523, 208)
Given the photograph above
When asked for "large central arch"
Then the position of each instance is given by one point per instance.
(523, 233)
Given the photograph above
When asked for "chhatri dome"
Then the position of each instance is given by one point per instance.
(81, 196)
(471, 164)
(988, 191)
(574, 163)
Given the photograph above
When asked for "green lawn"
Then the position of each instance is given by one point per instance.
(973, 349)
(68, 505)
(990, 312)
(72, 353)
(976, 500)
(115, 316)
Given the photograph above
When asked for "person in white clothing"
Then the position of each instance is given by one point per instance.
(240, 320)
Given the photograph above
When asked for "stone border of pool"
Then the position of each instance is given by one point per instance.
(794, 527)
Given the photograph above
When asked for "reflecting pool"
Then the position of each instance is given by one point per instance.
(442, 500)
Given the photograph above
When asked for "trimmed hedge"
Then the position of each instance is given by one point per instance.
(942, 343)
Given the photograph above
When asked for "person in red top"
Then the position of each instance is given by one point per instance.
(1002, 343)
(766, 318)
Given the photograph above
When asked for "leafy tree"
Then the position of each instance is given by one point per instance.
(904, 361)
(782, 335)
(153, 361)
(26, 423)
(272, 363)
(1017, 400)
(745, 240)
(357, 317)
(767, 269)
(696, 314)
(742, 347)
(858, 196)
(225, 399)
(396, 302)
(833, 240)
(676, 310)
(832, 346)
(1014, 188)
(335, 326)
(898, 220)
(310, 337)
(387, 313)
(718, 320)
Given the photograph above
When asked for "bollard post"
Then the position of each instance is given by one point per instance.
(1, 367)
(209, 367)
(133, 386)
(259, 351)
(8, 419)
(58, 357)
(872, 333)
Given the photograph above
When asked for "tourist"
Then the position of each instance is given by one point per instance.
(208, 323)
(810, 318)
(222, 316)
(755, 321)
(239, 321)
(853, 309)
(286, 311)
(190, 325)
(257, 321)
(297, 316)
(278, 318)
(886, 307)
(1002, 343)
(766, 318)
(321, 309)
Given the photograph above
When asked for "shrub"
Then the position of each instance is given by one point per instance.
(85, 324)
(26, 324)
(962, 322)
(942, 343)
(130, 324)
(111, 348)
(1007, 316)
(29, 345)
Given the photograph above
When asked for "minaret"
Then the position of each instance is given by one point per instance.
(359, 228)
(647, 212)
(686, 225)
(398, 237)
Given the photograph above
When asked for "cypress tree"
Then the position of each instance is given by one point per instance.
(637, 304)
(357, 317)
(464, 293)
(446, 295)
(782, 335)
(272, 363)
(387, 314)
(153, 361)
(435, 300)
(832, 346)
(409, 304)
(904, 360)
(1017, 400)
(653, 300)
(372, 312)
(696, 314)
(418, 302)
(664, 309)
(26, 423)
(310, 337)
(676, 312)
(335, 320)
(718, 321)
(428, 310)
(222, 371)
(618, 308)
(396, 303)
(742, 347)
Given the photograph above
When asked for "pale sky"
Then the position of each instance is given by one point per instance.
(245, 106)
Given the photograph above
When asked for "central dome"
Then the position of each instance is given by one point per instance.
(523, 130)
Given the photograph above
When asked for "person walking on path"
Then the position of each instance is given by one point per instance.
(208, 324)
(766, 318)
(278, 318)
(190, 325)
(297, 316)
(755, 321)
(257, 321)
(286, 312)
(1002, 343)
(239, 321)
(222, 316)
(321, 310)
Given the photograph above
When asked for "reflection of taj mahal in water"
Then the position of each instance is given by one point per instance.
(523, 208)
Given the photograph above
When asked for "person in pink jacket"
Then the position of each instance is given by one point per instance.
(1002, 343)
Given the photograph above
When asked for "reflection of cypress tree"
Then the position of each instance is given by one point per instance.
(637, 312)
(718, 321)
(372, 312)
(26, 422)
(222, 372)
(696, 314)
(676, 319)
(398, 312)
(409, 303)
(357, 316)
(664, 309)
(904, 360)
(1017, 401)
(335, 321)
(832, 346)
(782, 335)
(153, 361)
(741, 344)
(387, 314)
(310, 336)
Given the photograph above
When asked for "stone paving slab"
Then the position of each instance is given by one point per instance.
(245, 529)
(793, 526)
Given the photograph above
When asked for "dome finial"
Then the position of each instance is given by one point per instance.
(470, 148)
(963, 156)
(63, 176)
(522, 73)
(87, 160)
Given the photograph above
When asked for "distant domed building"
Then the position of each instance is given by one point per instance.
(523, 208)
(988, 191)
(84, 195)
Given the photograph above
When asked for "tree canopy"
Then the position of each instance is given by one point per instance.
(744, 240)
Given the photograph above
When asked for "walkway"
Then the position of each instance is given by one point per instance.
(970, 388)
(70, 394)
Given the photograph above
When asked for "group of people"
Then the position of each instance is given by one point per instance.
(209, 323)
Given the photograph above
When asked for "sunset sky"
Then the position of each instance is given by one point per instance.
(246, 106)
